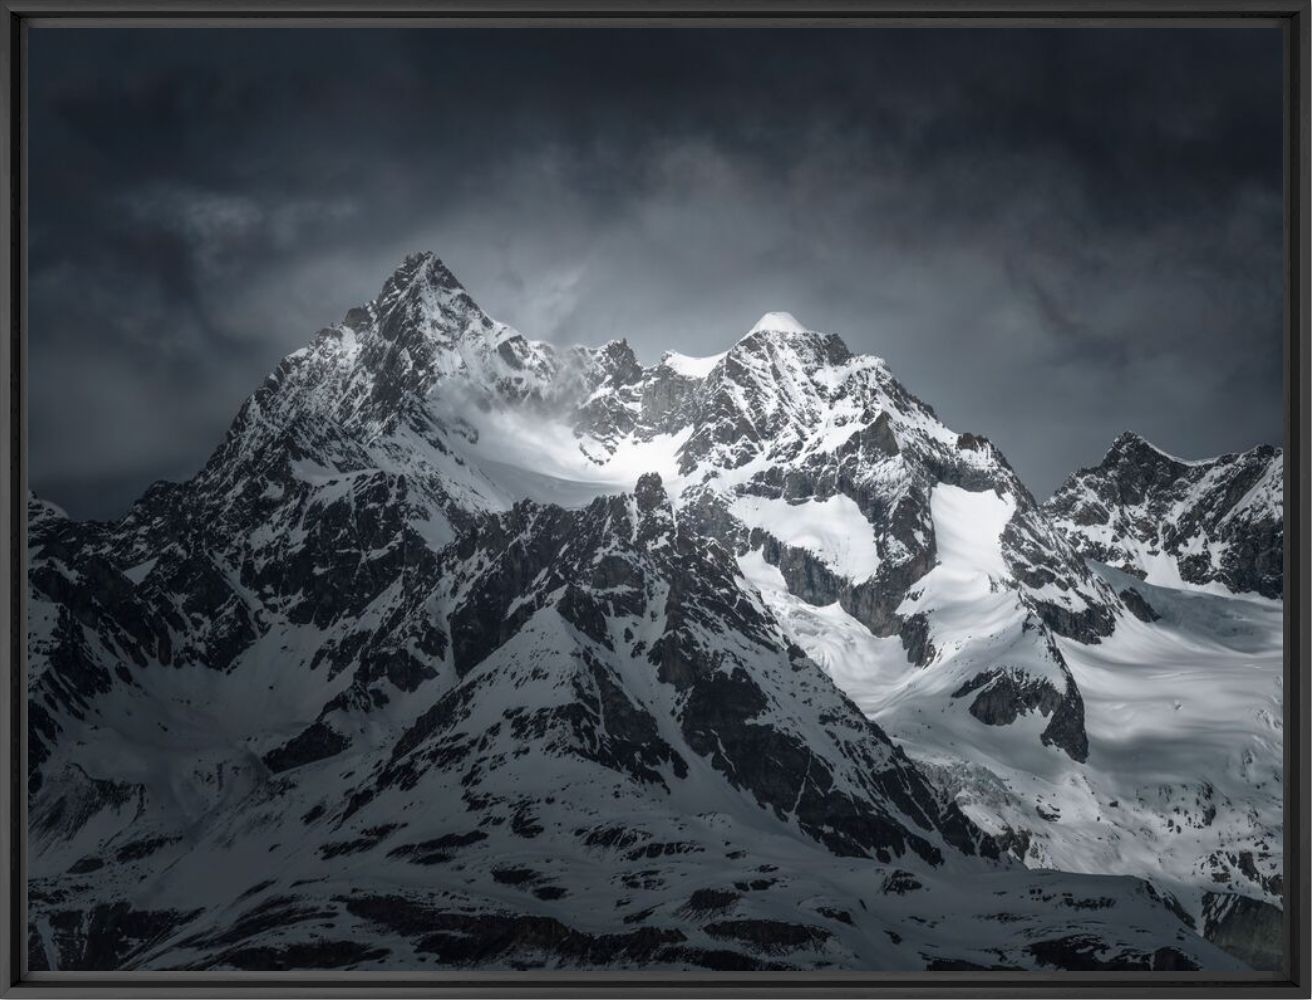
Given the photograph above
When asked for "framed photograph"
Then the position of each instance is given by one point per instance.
(771, 499)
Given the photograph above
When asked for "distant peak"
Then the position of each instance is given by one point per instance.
(1130, 444)
(778, 322)
(39, 508)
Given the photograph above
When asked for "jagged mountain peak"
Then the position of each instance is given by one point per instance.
(776, 334)
(39, 508)
(423, 268)
(613, 363)
(1130, 448)
(1129, 440)
(422, 303)
(1176, 522)
(476, 616)
(1134, 447)
(806, 350)
(789, 343)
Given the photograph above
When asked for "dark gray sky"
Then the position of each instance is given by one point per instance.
(1052, 236)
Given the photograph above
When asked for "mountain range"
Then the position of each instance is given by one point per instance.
(468, 651)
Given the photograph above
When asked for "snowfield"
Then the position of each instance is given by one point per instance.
(833, 530)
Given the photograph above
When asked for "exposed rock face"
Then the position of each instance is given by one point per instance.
(1003, 695)
(1138, 605)
(388, 683)
(1171, 521)
(1250, 929)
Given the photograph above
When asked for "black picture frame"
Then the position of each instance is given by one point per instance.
(1293, 16)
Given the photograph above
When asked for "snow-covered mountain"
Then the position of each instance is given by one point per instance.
(1215, 524)
(465, 649)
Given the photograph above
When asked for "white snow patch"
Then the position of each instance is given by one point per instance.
(968, 528)
(690, 367)
(834, 530)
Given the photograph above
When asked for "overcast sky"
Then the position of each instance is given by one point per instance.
(1052, 236)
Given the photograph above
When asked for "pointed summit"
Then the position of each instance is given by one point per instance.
(421, 276)
(1136, 448)
(781, 334)
(424, 270)
(782, 331)
(423, 297)
(778, 322)
(1130, 439)
(1126, 442)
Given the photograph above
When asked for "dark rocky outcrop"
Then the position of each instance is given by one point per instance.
(316, 742)
(1250, 929)
(1221, 520)
(1138, 605)
(1002, 695)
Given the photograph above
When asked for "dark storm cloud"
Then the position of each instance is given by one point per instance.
(1051, 235)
